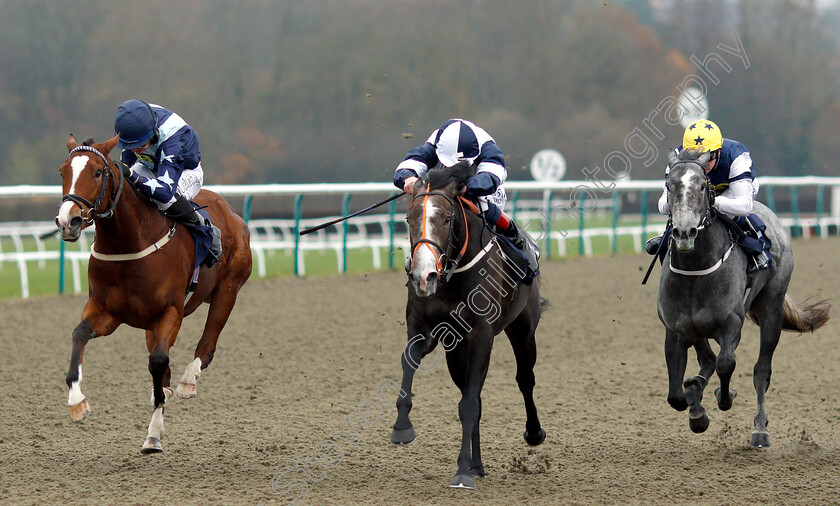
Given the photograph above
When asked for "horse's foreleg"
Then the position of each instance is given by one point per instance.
(217, 316)
(92, 325)
(469, 362)
(418, 347)
(771, 329)
(698, 419)
(729, 337)
(158, 341)
(676, 356)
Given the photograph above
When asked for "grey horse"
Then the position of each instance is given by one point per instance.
(705, 293)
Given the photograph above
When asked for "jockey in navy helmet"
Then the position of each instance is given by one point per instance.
(459, 140)
(729, 170)
(161, 158)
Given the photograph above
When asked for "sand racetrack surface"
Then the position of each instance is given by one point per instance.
(291, 404)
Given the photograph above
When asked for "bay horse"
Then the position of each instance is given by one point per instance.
(141, 265)
(705, 293)
(462, 292)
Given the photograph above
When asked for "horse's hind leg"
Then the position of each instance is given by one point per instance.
(771, 329)
(158, 341)
(698, 419)
(217, 317)
(521, 335)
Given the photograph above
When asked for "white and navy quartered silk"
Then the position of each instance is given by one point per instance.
(459, 140)
(176, 151)
(733, 179)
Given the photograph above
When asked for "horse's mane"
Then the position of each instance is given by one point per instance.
(458, 173)
(689, 154)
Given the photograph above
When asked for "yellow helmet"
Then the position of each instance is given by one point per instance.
(704, 135)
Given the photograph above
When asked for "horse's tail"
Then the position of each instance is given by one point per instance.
(545, 303)
(800, 316)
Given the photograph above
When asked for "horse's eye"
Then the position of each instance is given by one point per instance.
(98, 173)
(447, 220)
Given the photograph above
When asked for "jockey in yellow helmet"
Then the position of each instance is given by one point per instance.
(730, 170)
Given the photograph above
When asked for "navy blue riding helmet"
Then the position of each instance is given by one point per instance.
(135, 123)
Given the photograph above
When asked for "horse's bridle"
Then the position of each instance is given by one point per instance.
(92, 212)
(443, 264)
(709, 190)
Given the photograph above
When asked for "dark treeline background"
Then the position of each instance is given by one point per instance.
(339, 90)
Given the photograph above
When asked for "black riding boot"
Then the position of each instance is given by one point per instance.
(521, 240)
(183, 212)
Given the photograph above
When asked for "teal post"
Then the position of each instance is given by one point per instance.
(345, 210)
(392, 210)
(581, 226)
(514, 202)
(547, 224)
(616, 201)
(771, 200)
(819, 212)
(61, 248)
(644, 215)
(298, 199)
(246, 208)
(794, 209)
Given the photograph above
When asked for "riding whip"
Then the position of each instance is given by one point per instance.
(333, 222)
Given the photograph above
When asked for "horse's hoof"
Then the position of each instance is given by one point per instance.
(698, 424)
(185, 391)
(725, 406)
(463, 481)
(80, 411)
(403, 436)
(760, 440)
(477, 471)
(535, 439)
(151, 445)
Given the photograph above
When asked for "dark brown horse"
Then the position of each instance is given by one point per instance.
(140, 268)
(463, 291)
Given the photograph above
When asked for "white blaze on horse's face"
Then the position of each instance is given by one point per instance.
(425, 258)
(70, 229)
(687, 207)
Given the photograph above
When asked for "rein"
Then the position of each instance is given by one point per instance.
(443, 265)
(80, 201)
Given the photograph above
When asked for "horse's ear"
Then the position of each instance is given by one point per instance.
(673, 157)
(704, 158)
(71, 143)
(108, 145)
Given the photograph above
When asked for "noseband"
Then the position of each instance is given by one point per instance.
(442, 262)
(80, 201)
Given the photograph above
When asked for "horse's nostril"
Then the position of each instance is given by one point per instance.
(57, 224)
(693, 232)
(433, 276)
(75, 222)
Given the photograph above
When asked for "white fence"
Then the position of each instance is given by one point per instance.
(545, 204)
